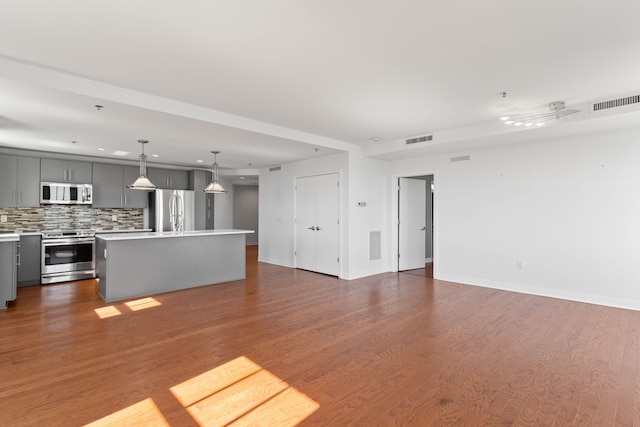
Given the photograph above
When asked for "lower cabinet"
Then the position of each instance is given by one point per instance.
(8, 272)
(30, 260)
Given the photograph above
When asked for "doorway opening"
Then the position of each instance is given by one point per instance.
(416, 225)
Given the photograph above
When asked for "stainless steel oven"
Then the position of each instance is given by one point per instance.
(68, 255)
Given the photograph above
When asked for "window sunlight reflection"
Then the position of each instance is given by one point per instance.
(109, 311)
(142, 304)
(240, 392)
(144, 413)
(237, 393)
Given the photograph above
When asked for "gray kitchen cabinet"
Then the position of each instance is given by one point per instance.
(169, 178)
(29, 265)
(8, 272)
(134, 198)
(19, 181)
(110, 187)
(198, 180)
(54, 170)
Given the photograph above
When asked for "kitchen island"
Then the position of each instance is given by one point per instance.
(140, 264)
(8, 267)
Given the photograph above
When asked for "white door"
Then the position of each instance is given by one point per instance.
(317, 224)
(412, 198)
(306, 223)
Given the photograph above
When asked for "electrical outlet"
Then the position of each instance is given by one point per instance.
(519, 265)
(3, 218)
(114, 217)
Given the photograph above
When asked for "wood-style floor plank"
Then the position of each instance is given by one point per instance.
(392, 349)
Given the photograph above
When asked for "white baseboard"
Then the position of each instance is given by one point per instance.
(546, 292)
(274, 262)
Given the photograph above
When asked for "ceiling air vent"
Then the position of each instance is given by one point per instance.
(275, 168)
(615, 103)
(419, 139)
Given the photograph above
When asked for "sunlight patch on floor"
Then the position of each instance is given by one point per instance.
(109, 311)
(136, 305)
(239, 393)
(142, 304)
(144, 413)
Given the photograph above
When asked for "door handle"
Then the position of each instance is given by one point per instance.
(312, 228)
(318, 228)
(423, 228)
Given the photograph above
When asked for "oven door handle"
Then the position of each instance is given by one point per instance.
(58, 242)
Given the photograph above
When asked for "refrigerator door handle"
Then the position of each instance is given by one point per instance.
(179, 213)
(172, 212)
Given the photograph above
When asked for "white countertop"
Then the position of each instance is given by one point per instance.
(23, 233)
(9, 237)
(134, 230)
(160, 235)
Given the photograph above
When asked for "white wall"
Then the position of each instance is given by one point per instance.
(369, 183)
(361, 180)
(567, 209)
(276, 205)
(245, 210)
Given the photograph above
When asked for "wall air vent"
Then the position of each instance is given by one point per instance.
(419, 139)
(620, 104)
(275, 168)
(460, 158)
(614, 103)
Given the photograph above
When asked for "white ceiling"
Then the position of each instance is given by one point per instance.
(269, 82)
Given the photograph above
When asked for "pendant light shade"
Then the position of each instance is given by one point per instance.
(214, 186)
(142, 182)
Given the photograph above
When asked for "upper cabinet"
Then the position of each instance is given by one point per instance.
(169, 178)
(134, 198)
(53, 170)
(19, 181)
(110, 187)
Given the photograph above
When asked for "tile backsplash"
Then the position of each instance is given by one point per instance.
(72, 216)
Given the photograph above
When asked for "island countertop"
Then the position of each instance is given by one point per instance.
(169, 234)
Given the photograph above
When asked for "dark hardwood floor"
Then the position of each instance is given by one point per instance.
(393, 349)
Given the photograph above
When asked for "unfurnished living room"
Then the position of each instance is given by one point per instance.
(413, 213)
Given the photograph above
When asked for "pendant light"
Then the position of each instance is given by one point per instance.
(214, 187)
(142, 182)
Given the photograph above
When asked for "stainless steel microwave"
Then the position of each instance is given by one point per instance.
(64, 193)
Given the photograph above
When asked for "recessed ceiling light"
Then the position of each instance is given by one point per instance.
(242, 177)
(200, 161)
(155, 155)
(375, 139)
(120, 153)
(100, 149)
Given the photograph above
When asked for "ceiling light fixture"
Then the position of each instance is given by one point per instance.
(142, 183)
(556, 110)
(214, 187)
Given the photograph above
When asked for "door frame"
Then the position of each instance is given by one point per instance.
(340, 217)
(395, 218)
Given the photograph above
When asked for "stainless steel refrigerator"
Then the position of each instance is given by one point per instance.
(172, 210)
